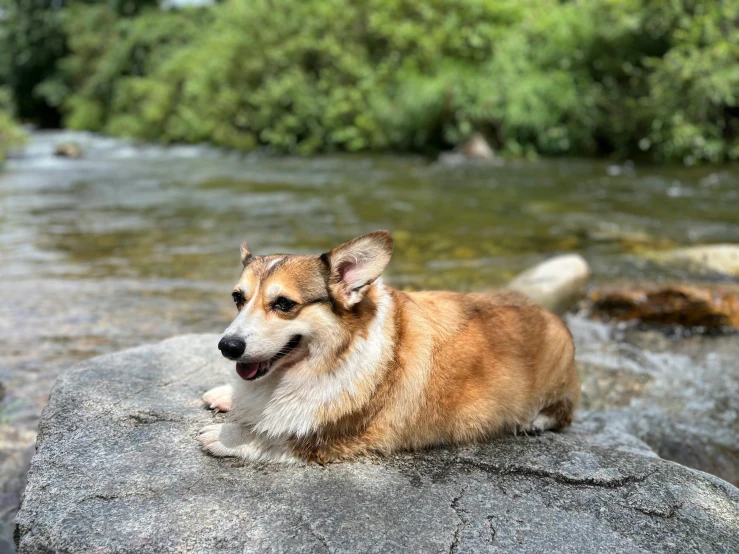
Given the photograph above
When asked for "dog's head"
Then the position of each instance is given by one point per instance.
(292, 307)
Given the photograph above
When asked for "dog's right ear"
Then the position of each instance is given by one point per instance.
(355, 265)
(246, 255)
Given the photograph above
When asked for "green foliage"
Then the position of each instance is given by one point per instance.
(693, 99)
(11, 134)
(624, 77)
(111, 55)
(33, 40)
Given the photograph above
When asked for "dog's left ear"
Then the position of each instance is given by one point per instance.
(246, 255)
(355, 265)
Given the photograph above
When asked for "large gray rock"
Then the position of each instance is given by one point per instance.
(555, 283)
(118, 470)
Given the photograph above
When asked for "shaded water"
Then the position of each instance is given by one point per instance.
(136, 243)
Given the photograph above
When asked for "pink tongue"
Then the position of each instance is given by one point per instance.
(247, 371)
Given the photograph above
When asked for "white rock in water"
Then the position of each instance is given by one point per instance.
(476, 148)
(554, 284)
(710, 258)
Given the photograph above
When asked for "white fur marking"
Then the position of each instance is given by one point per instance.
(273, 291)
(273, 262)
(542, 423)
(287, 405)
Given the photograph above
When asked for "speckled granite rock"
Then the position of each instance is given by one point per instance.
(118, 470)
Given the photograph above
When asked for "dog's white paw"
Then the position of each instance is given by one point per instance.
(221, 439)
(233, 440)
(541, 423)
(219, 398)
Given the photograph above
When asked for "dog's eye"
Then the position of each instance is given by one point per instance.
(283, 304)
(238, 297)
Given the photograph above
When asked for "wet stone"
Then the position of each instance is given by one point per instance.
(712, 308)
(68, 150)
(708, 259)
(554, 284)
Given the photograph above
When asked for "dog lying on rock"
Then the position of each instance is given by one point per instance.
(334, 364)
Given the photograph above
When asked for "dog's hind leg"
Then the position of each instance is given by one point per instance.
(219, 398)
(555, 416)
(542, 422)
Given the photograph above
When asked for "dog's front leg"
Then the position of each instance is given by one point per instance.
(235, 440)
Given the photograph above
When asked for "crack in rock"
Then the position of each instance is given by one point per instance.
(454, 546)
(113, 496)
(493, 531)
(319, 537)
(151, 416)
(615, 482)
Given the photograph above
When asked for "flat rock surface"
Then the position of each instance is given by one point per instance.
(118, 470)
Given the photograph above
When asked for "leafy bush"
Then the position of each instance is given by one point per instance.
(11, 134)
(623, 77)
(33, 40)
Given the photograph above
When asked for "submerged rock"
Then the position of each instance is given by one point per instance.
(722, 259)
(474, 148)
(68, 150)
(554, 284)
(118, 470)
(690, 306)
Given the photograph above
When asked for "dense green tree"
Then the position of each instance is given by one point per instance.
(33, 39)
(631, 78)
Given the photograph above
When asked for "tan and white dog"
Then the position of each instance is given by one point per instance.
(334, 364)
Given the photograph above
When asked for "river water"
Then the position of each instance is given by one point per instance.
(132, 244)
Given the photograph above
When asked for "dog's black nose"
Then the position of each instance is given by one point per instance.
(231, 347)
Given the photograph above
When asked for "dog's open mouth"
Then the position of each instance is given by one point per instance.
(254, 370)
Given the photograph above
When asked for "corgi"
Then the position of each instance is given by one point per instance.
(333, 364)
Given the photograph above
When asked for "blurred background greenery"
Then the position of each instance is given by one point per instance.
(638, 79)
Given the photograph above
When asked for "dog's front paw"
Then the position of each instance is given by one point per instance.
(221, 439)
(231, 439)
(219, 398)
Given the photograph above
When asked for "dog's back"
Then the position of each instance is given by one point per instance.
(489, 363)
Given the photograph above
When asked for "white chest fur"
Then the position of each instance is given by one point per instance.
(288, 405)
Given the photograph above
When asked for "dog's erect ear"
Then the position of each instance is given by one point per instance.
(357, 264)
(246, 255)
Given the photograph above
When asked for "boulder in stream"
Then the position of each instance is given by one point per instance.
(554, 284)
(475, 148)
(68, 150)
(709, 259)
(713, 307)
